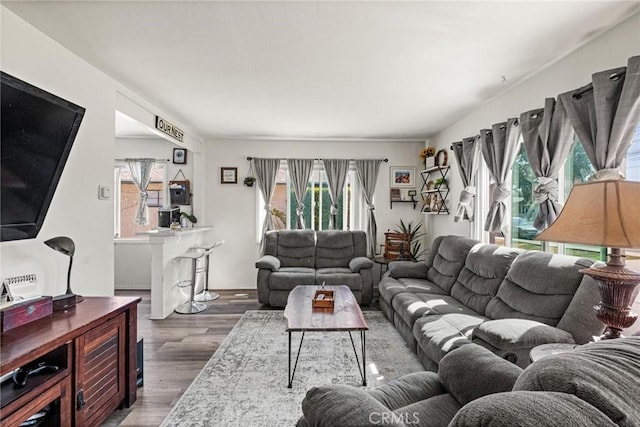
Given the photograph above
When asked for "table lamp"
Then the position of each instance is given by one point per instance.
(65, 246)
(606, 214)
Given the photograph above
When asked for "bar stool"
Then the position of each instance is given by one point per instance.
(205, 295)
(192, 306)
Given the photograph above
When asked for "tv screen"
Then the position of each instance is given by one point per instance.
(38, 130)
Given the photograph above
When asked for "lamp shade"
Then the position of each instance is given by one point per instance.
(601, 213)
(62, 244)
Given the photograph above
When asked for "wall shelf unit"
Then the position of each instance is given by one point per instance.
(434, 196)
(414, 201)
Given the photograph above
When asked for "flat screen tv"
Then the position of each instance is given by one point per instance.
(38, 130)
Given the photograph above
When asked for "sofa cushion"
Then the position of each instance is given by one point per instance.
(288, 278)
(448, 259)
(529, 409)
(390, 287)
(604, 374)
(408, 389)
(509, 334)
(542, 297)
(341, 405)
(412, 306)
(489, 373)
(339, 276)
(335, 248)
(294, 248)
(484, 269)
(438, 334)
(434, 412)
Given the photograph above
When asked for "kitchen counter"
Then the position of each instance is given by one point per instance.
(166, 271)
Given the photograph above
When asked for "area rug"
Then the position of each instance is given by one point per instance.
(245, 382)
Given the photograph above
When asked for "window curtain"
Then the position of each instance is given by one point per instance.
(548, 138)
(499, 150)
(367, 171)
(336, 170)
(604, 115)
(141, 174)
(266, 174)
(299, 172)
(466, 153)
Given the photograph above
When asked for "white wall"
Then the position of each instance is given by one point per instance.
(232, 209)
(75, 210)
(610, 50)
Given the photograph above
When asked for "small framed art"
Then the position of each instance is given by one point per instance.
(228, 175)
(402, 177)
(179, 156)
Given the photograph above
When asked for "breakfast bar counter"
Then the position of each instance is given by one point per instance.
(166, 271)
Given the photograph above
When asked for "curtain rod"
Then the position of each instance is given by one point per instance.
(382, 160)
(589, 87)
(157, 160)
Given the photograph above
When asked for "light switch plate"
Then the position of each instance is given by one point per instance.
(104, 192)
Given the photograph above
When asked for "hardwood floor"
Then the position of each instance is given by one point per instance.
(175, 350)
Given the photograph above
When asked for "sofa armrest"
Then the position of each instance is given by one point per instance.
(268, 262)
(511, 334)
(341, 405)
(416, 270)
(359, 263)
(471, 371)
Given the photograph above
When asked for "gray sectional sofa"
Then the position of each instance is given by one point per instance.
(306, 257)
(594, 385)
(504, 299)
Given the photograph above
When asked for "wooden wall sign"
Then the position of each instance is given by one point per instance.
(170, 129)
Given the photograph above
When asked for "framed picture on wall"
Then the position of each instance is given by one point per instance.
(402, 177)
(228, 175)
(179, 156)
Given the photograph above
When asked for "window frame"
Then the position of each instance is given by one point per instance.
(117, 193)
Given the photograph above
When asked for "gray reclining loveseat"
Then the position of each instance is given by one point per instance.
(507, 300)
(304, 257)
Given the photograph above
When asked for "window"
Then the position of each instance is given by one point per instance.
(577, 170)
(523, 207)
(316, 202)
(126, 200)
(633, 174)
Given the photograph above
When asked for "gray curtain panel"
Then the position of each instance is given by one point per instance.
(605, 114)
(548, 138)
(141, 174)
(499, 150)
(266, 174)
(300, 171)
(467, 153)
(336, 170)
(367, 171)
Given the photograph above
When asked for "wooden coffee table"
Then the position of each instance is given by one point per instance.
(345, 316)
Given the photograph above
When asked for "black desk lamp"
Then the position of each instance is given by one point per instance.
(65, 246)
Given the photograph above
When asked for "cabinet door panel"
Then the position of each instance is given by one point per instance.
(100, 357)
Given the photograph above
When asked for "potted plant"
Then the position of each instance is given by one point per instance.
(416, 234)
(249, 181)
(185, 216)
(441, 183)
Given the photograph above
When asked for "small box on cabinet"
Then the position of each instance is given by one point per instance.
(323, 298)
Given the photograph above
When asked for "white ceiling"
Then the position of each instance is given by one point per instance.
(314, 69)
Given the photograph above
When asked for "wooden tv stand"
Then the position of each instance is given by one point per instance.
(94, 347)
